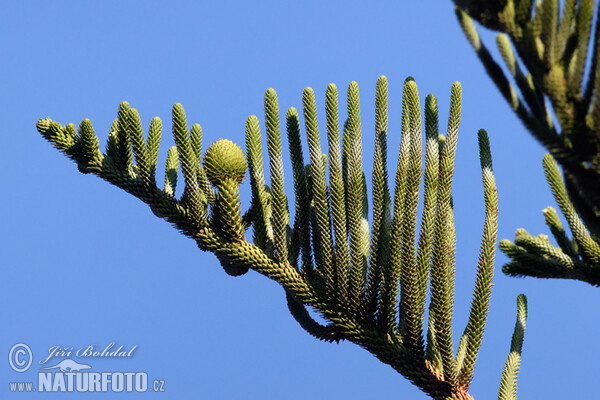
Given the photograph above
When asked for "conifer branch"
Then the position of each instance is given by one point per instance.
(577, 258)
(554, 52)
(369, 288)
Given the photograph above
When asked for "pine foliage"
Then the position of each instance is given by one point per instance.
(547, 47)
(368, 281)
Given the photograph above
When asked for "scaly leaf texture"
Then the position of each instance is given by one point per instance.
(319, 190)
(354, 199)
(442, 270)
(362, 305)
(592, 82)
(531, 94)
(196, 142)
(555, 52)
(389, 304)
(541, 246)
(540, 128)
(508, 381)
(229, 205)
(553, 221)
(380, 237)
(410, 315)
(589, 248)
(302, 235)
(89, 146)
(482, 292)
(566, 27)
(263, 229)
(525, 263)
(278, 199)
(136, 133)
(225, 165)
(338, 197)
(549, 26)
(112, 148)
(585, 14)
(153, 146)
(189, 164)
(326, 333)
(429, 202)
(123, 140)
(171, 171)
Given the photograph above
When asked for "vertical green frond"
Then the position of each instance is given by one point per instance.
(485, 266)
(171, 171)
(566, 26)
(442, 271)
(90, 146)
(318, 188)
(196, 140)
(153, 145)
(70, 133)
(136, 134)
(301, 239)
(205, 185)
(549, 24)
(583, 27)
(182, 140)
(410, 317)
(196, 145)
(354, 199)
(380, 237)
(594, 74)
(389, 304)
(111, 152)
(429, 200)
(279, 201)
(192, 195)
(338, 196)
(125, 155)
(263, 230)
(508, 382)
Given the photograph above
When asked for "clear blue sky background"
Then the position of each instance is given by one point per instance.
(85, 263)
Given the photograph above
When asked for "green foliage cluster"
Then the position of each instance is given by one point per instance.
(369, 281)
(545, 50)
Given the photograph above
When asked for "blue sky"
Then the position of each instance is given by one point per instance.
(85, 263)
